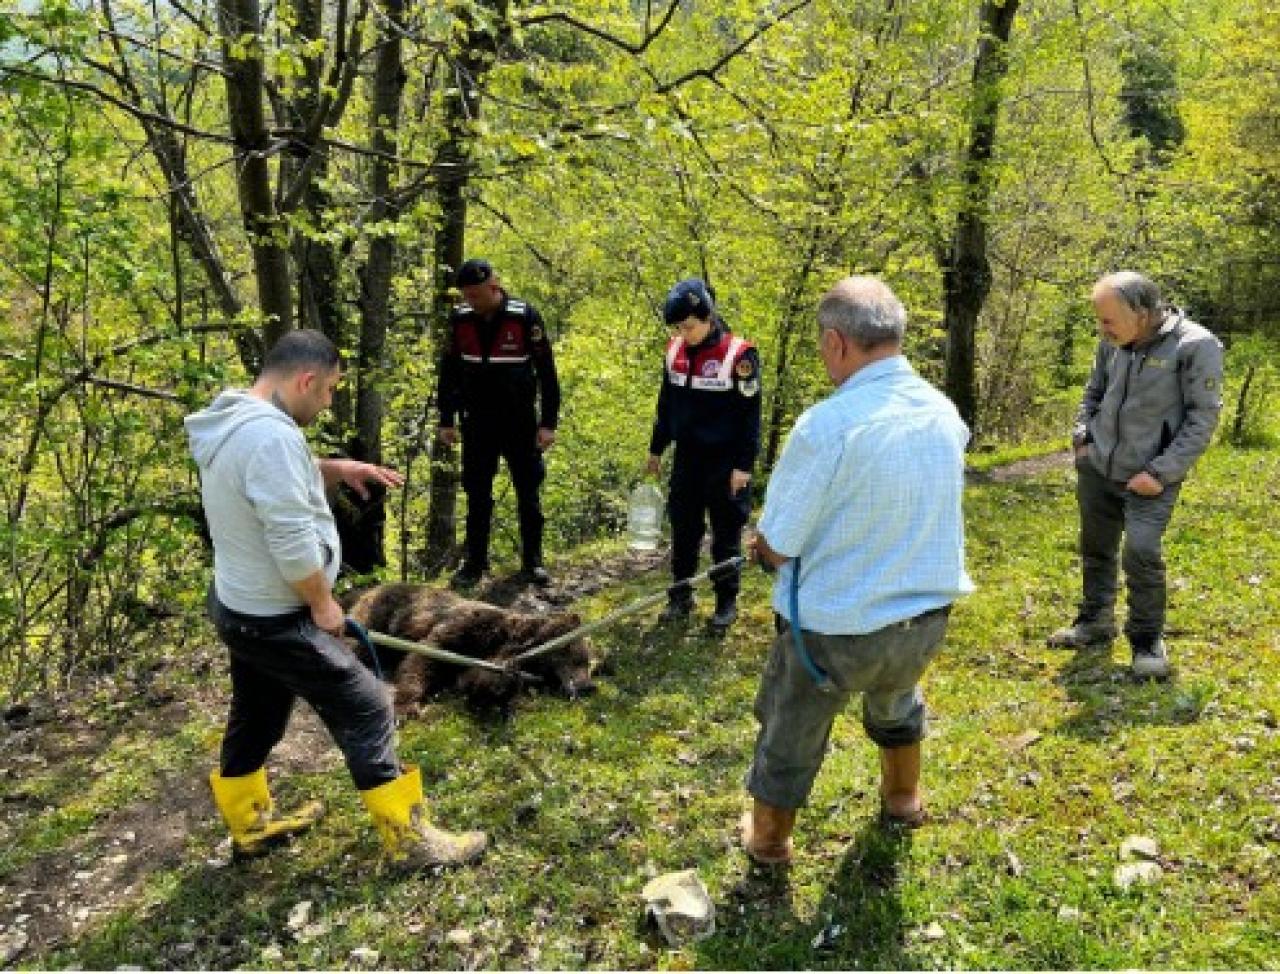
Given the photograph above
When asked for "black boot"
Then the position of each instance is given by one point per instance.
(468, 575)
(679, 608)
(535, 575)
(726, 610)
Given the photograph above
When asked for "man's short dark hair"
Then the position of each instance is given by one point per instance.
(301, 349)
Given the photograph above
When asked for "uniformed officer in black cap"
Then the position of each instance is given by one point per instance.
(709, 406)
(497, 365)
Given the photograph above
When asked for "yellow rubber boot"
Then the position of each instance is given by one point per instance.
(399, 812)
(246, 806)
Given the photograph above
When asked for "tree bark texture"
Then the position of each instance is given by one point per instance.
(966, 273)
(240, 25)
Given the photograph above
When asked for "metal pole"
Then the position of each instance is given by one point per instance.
(631, 609)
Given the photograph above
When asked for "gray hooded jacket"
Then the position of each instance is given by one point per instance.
(264, 498)
(1152, 406)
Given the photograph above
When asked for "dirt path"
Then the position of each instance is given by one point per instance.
(1021, 469)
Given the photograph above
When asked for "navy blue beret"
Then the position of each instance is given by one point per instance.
(474, 271)
(689, 297)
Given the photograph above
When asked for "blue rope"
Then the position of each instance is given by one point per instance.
(820, 678)
(361, 635)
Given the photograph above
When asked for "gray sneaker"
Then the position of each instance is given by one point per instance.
(1151, 660)
(1082, 633)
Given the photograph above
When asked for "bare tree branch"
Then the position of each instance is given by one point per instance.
(650, 35)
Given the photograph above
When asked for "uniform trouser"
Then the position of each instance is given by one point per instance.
(483, 443)
(700, 492)
(1108, 510)
(275, 660)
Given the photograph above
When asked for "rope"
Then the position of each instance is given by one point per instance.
(716, 572)
(820, 678)
(361, 635)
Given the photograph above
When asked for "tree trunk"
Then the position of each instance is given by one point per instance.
(461, 108)
(375, 286)
(966, 274)
(240, 24)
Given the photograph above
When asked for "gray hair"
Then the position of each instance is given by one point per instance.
(1137, 291)
(865, 310)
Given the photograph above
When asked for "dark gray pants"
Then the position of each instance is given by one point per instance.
(1108, 510)
(796, 717)
(275, 660)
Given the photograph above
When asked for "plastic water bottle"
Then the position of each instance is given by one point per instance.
(644, 520)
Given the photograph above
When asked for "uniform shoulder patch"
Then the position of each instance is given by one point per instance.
(744, 369)
(749, 388)
(535, 334)
(517, 306)
(463, 309)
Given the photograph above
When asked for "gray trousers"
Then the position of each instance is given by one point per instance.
(796, 717)
(1108, 510)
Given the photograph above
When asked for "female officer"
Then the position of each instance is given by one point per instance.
(709, 406)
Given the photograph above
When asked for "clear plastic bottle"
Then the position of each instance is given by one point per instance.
(644, 520)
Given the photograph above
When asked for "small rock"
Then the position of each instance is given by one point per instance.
(128, 837)
(364, 957)
(12, 944)
(1024, 740)
(1012, 863)
(299, 915)
(827, 936)
(1068, 914)
(272, 953)
(313, 931)
(681, 907)
(1137, 874)
(1122, 790)
(1140, 847)
(933, 932)
(183, 949)
(459, 937)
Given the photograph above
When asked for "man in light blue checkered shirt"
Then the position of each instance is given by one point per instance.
(865, 503)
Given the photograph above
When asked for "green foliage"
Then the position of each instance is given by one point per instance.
(771, 154)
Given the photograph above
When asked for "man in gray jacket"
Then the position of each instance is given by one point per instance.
(1149, 410)
(275, 558)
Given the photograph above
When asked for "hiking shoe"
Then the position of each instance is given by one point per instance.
(1083, 632)
(468, 575)
(1150, 660)
(535, 575)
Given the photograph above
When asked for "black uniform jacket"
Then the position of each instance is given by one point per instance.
(495, 367)
(710, 399)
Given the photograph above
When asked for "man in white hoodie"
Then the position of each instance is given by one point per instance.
(276, 556)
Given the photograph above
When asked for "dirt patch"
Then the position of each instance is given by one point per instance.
(50, 899)
(1021, 469)
(569, 584)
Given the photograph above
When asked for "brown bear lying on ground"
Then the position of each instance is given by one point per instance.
(443, 619)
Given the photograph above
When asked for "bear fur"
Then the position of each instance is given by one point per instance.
(446, 620)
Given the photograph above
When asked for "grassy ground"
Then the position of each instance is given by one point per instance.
(1039, 766)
